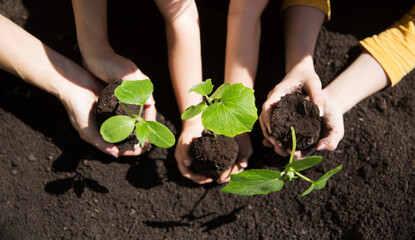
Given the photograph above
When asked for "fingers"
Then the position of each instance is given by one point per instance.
(314, 91)
(245, 149)
(225, 177)
(150, 111)
(184, 163)
(332, 140)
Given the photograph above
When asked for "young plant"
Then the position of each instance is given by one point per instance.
(117, 128)
(229, 111)
(264, 181)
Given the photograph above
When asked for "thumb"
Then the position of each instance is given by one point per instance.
(134, 75)
(314, 91)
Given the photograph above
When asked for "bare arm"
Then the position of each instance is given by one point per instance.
(25, 56)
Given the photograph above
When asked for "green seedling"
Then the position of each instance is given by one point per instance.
(117, 128)
(264, 181)
(229, 111)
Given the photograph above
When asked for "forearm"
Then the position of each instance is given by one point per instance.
(361, 79)
(27, 57)
(184, 50)
(242, 41)
(91, 24)
(302, 25)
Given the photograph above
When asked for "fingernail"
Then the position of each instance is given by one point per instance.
(321, 110)
(187, 163)
(272, 141)
(114, 154)
(243, 163)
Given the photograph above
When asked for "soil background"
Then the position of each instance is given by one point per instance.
(55, 186)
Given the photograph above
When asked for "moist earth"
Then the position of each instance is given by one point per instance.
(294, 110)
(108, 106)
(54, 185)
(211, 155)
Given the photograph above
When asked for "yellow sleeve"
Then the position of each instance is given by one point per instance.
(394, 48)
(323, 5)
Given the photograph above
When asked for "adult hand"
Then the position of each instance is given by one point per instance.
(245, 151)
(299, 78)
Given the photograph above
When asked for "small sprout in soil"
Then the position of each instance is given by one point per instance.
(117, 128)
(229, 111)
(264, 181)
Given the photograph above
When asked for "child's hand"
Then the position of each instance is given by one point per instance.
(296, 80)
(333, 126)
(108, 66)
(191, 129)
(245, 151)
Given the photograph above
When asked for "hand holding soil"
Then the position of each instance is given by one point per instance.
(227, 112)
(296, 80)
(121, 115)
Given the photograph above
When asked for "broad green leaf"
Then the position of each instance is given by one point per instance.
(160, 135)
(194, 110)
(236, 113)
(117, 128)
(305, 163)
(203, 88)
(330, 173)
(134, 92)
(254, 181)
(142, 131)
(309, 190)
(218, 93)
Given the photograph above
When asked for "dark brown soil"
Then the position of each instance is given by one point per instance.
(108, 106)
(211, 155)
(294, 110)
(55, 186)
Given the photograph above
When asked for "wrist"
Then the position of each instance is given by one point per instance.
(195, 121)
(304, 64)
(90, 46)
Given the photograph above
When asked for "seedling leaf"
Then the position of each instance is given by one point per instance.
(117, 128)
(203, 88)
(330, 173)
(309, 190)
(219, 92)
(142, 131)
(160, 135)
(305, 163)
(194, 110)
(255, 181)
(236, 112)
(320, 184)
(134, 92)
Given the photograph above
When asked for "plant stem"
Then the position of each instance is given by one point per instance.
(303, 177)
(141, 111)
(294, 144)
(128, 110)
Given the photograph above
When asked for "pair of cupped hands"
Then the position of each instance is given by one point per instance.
(106, 65)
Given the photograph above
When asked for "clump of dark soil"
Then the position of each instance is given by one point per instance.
(108, 106)
(211, 155)
(294, 110)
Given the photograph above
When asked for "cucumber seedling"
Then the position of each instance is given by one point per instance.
(227, 112)
(117, 128)
(264, 181)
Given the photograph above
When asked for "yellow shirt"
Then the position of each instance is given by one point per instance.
(323, 5)
(394, 48)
